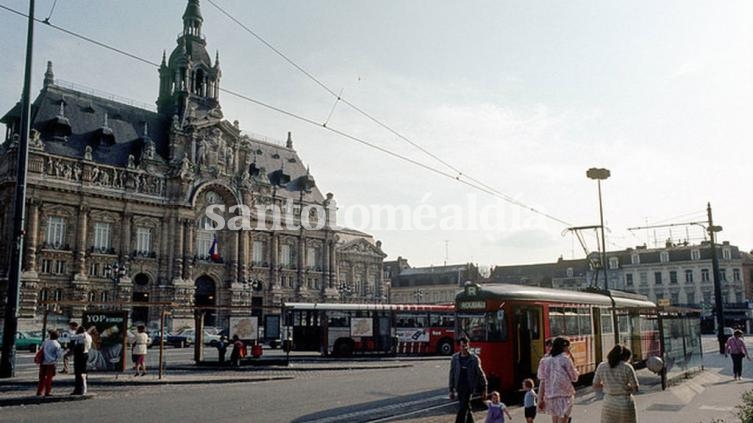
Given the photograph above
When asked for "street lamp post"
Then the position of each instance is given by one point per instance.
(717, 282)
(116, 271)
(345, 290)
(419, 294)
(599, 175)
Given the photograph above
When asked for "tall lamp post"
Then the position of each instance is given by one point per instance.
(599, 175)
(713, 229)
(10, 325)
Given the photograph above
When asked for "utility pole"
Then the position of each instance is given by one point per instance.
(10, 326)
(717, 282)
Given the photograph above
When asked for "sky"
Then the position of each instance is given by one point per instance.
(521, 97)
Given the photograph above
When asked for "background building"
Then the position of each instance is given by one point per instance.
(428, 285)
(117, 194)
(562, 274)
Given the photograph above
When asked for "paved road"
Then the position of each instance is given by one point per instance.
(323, 391)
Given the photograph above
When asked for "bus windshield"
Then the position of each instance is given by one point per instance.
(489, 326)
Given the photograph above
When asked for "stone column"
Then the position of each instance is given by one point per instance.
(125, 236)
(188, 248)
(83, 214)
(242, 255)
(30, 264)
(234, 239)
(177, 249)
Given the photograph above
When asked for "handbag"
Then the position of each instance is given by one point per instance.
(39, 356)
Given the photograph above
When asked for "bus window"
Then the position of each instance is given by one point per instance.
(441, 321)
(584, 321)
(410, 320)
(338, 319)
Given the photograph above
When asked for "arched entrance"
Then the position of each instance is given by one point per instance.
(205, 295)
(140, 313)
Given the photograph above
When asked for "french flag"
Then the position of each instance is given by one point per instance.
(214, 251)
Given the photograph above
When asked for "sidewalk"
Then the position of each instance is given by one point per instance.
(709, 396)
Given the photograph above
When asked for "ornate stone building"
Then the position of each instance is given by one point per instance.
(117, 197)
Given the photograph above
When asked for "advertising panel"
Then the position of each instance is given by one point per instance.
(246, 328)
(109, 333)
(361, 326)
(412, 335)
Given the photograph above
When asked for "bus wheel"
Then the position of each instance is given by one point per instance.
(445, 347)
(343, 348)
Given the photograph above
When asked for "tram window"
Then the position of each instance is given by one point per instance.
(606, 322)
(556, 322)
(571, 323)
(532, 317)
(624, 324)
(483, 327)
(584, 321)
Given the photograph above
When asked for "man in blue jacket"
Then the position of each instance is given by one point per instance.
(466, 375)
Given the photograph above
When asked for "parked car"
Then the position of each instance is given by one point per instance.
(187, 337)
(25, 341)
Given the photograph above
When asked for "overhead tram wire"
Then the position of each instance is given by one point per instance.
(477, 186)
(460, 173)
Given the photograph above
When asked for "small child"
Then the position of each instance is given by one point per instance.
(530, 400)
(496, 409)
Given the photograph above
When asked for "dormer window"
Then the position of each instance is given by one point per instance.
(635, 259)
(726, 254)
(664, 257)
(614, 262)
(695, 254)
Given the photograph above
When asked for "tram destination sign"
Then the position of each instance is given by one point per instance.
(471, 305)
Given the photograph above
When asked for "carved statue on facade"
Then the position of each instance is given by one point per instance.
(131, 162)
(35, 141)
(88, 152)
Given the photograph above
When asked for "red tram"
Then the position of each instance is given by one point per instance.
(508, 324)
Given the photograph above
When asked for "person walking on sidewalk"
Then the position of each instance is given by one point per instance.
(72, 329)
(557, 374)
(82, 342)
(466, 375)
(618, 380)
(51, 353)
(140, 342)
(736, 348)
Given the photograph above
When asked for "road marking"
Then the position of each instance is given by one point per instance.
(716, 408)
(371, 411)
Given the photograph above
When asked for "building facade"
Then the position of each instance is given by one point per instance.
(117, 198)
(428, 285)
(683, 275)
(562, 274)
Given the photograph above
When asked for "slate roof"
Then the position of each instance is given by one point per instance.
(539, 272)
(85, 114)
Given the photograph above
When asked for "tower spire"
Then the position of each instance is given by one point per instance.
(49, 77)
(192, 19)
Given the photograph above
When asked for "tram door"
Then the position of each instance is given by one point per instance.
(529, 348)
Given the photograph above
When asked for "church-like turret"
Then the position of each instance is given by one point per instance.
(188, 79)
